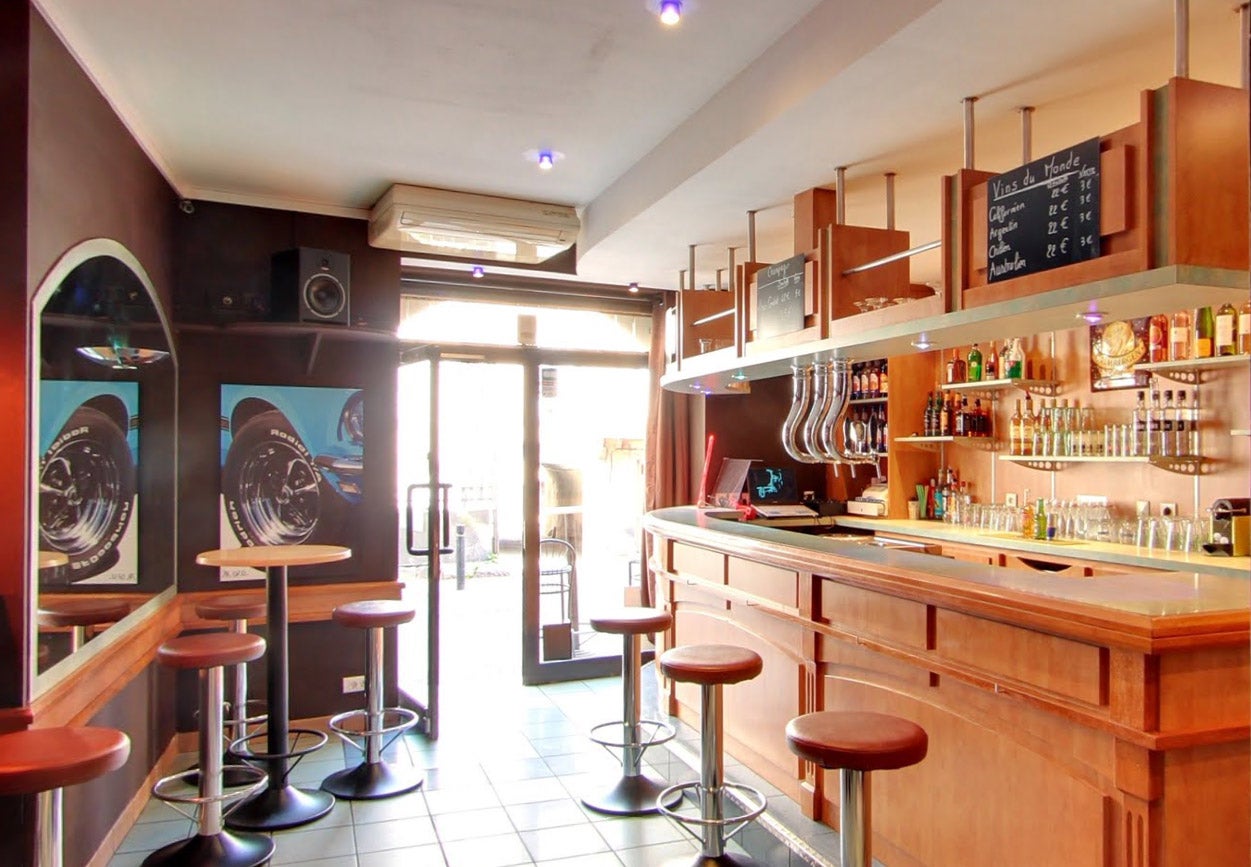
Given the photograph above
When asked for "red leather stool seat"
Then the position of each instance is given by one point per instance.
(231, 607)
(632, 621)
(38, 760)
(82, 612)
(710, 664)
(374, 613)
(210, 649)
(859, 740)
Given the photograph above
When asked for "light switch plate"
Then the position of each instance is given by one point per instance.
(1142, 508)
(1168, 510)
(1009, 500)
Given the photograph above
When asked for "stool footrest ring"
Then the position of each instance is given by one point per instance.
(661, 733)
(751, 800)
(250, 719)
(164, 789)
(404, 719)
(240, 749)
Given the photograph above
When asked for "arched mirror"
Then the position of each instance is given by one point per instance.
(103, 421)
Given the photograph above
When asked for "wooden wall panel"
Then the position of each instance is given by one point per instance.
(870, 613)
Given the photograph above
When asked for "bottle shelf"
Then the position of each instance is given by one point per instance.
(934, 442)
(1240, 432)
(861, 401)
(1045, 387)
(1191, 370)
(1189, 465)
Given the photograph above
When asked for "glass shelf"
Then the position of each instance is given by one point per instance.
(1044, 387)
(934, 443)
(1240, 432)
(860, 401)
(1189, 465)
(1190, 370)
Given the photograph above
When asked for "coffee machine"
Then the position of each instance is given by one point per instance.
(1231, 526)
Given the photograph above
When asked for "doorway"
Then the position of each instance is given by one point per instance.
(528, 467)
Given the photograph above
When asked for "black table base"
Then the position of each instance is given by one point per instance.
(277, 808)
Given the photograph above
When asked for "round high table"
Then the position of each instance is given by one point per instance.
(280, 805)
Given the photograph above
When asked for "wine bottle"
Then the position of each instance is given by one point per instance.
(1226, 330)
(975, 364)
(1179, 336)
(1157, 338)
(1244, 328)
(1205, 332)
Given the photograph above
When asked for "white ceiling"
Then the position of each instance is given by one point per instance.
(670, 135)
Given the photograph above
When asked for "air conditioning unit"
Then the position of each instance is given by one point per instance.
(471, 226)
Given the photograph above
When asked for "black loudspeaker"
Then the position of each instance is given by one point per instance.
(309, 285)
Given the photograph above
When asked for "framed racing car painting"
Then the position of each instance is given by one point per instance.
(88, 499)
(292, 463)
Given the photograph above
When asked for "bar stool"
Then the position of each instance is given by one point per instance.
(79, 615)
(43, 761)
(373, 778)
(236, 610)
(209, 653)
(854, 743)
(712, 666)
(635, 793)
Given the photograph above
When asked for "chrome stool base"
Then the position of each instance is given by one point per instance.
(632, 796)
(372, 780)
(279, 808)
(215, 850)
(725, 859)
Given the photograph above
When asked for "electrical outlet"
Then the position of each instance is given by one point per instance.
(1168, 510)
(1142, 508)
(354, 684)
(1009, 500)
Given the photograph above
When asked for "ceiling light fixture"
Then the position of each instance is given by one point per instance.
(738, 376)
(478, 272)
(1092, 316)
(545, 158)
(670, 12)
(633, 287)
(118, 355)
(922, 342)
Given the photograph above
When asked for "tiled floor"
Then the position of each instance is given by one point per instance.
(502, 788)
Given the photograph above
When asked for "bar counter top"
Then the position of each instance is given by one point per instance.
(1136, 595)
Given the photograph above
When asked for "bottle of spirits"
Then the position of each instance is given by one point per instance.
(875, 380)
(955, 368)
(961, 427)
(981, 419)
(1027, 427)
(927, 421)
(1014, 431)
(944, 417)
(1141, 438)
(1179, 336)
(1015, 359)
(1157, 338)
(883, 380)
(1244, 328)
(1027, 517)
(1205, 333)
(1226, 330)
(975, 364)
(1192, 426)
(1040, 519)
(1155, 424)
(857, 390)
(1168, 413)
(990, 370)
(1181, 426)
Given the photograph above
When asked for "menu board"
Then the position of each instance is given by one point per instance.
(1044, 214)
(780, 297)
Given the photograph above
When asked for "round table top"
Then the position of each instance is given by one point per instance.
(264, 556)
(36, 760)
(86, 611)
(48, 559)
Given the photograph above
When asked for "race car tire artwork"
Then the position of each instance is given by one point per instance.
(273, 492)
(86, 492)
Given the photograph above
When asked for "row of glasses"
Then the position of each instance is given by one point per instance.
(1166, 533)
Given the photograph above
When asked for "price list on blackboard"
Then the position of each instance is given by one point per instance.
(780, 297)
(1044, 214)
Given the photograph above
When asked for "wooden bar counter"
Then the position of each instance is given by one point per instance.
(1081, 722)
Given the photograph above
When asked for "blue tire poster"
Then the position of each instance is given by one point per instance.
(292, 465)
(88, 498)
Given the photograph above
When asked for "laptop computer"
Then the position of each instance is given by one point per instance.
(773, 493)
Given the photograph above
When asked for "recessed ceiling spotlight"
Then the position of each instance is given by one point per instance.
(738, 376)
(1092, 316)
(478, 272)
(544, 158)
(922, 342)
(633, 287)
(670, 12)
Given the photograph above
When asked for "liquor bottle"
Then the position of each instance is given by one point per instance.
(1181, 427)
(884, 431)
(1015, 359)
(975, 364)
(1192, 425)
(927, 422)
(1091, 447)
(1244, 328)
(1155, 425)
(1179, 336)
(1205, 332)
(1142, 440)
(1063, 430)
(961, 428)
(1168, 413)
(1040, 520)
(984, 419)
(955, 368)
(1014, 431)
(1027, 427)
(1027, 517)
(944, 418)
(875, 382)
(1226, 330)
(990, 370)
(883, 380)
(857, 390)
(1157, 338)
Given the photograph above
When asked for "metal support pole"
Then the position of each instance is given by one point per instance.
(631, 753)
(751, 236)
(78, 637)
(852, 845)
(890, 200)
(240, 691)
(373, 696)
(733, 274)
(460, 556)
(1181, 38)
(968, 130)
(1027, 133)
(711, 770)
(211, 694)
(682, 280)
(48, 807)
(690, 249)
(840, 188)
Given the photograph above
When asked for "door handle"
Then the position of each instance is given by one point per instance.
(444, 493)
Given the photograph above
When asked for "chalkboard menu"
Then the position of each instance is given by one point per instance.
(780, 297)
(1044, 214)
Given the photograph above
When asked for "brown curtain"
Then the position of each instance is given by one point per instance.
(667, 464)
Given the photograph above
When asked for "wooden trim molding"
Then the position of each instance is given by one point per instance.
(130, 815)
